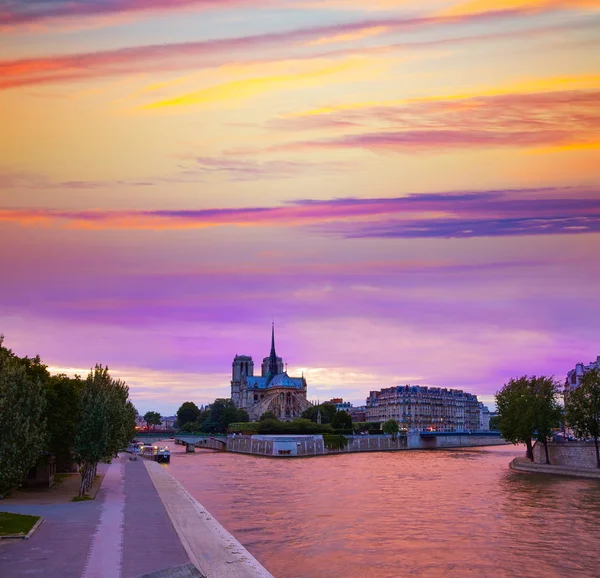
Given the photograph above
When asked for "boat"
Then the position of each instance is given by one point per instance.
(158, 454)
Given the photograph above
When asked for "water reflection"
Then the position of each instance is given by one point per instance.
(441, 513)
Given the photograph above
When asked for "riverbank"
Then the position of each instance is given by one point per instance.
(521, 464)
(315, 445)
(211, 548)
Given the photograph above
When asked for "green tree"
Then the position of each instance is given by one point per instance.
(547, 412)
(582, 408)
(22, 404)
(63, 412)
(391, 427)
(341, 420)
(515, 403)
(328, 410)
(188, 412)
(106, 425)
(267, 415)
(242, 416)
(528, 409)
(152, 418)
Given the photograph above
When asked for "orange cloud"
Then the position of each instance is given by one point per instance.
(481, 6)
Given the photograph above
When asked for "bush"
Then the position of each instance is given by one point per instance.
(343, 432)
(244, 427)
(366, 426)
(335, 442)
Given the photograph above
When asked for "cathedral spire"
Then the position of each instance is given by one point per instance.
(272, 356)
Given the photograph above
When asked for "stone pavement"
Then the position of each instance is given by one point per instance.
(124, 533)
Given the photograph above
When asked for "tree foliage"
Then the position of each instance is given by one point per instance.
(152, 418)
(528, 409)
(187, 413)
(391, 427)
(107, 423)
(328, 410)
(63, 412)
(268, 415)
(22, 405)
(341, 420)
(582, 407)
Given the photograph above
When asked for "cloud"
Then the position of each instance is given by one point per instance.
(517, 120)
(479, 6)
(446, 215)
(208, 53)
(249, 170)
(242, 89)
(16, 14)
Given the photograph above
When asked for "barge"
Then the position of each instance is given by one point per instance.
(159, 454)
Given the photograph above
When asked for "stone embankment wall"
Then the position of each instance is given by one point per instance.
(289, 445)
(570, 454)
(459, 441)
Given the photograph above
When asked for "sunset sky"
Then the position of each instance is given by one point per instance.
(411, 189)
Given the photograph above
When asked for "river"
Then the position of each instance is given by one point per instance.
(420, 513)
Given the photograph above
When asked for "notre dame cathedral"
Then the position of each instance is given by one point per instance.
(273, 391)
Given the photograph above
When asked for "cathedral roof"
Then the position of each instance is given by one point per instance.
(279, 380)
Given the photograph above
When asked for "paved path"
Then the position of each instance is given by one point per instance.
(125, 532)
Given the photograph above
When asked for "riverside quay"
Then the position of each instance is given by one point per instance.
(419, 408)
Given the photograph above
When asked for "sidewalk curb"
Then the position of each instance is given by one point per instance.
(210, 547)
(24, 536)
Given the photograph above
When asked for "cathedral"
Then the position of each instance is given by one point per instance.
(273, 391)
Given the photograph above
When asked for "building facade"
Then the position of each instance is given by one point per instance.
(274, 390)
(574, 376)
(418, 408)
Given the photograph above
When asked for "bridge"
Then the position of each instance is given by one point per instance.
(210, 442)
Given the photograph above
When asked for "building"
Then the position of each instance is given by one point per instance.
(274, 390)
(484, 417)
(340, 404)
(574, 376)
(358, 413)
(418, 408)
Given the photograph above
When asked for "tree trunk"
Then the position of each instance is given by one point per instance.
(597, 452)
(529, 449)
(546, 450)
(86, 470)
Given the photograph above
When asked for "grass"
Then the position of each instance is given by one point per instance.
(83, 498)
(16, 523)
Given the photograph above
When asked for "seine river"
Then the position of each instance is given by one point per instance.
(420, 513)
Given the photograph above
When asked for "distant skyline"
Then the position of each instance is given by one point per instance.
(411, 189)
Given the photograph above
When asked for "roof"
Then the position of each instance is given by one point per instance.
(279, 380)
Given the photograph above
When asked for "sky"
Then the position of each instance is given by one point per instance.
(410, 189)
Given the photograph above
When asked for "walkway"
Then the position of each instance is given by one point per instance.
(124, 533)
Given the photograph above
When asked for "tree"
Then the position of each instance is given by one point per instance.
(22, 404)
(152, 418)
(583, 409)
(391, 427)
(188, 412)
(242, 416)
(515, 405)
(63, 412)
(267, 415)
(528, 409)
(494, 420)
(106, 425)
(341, 420)
(328, 410)
(547, 412)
